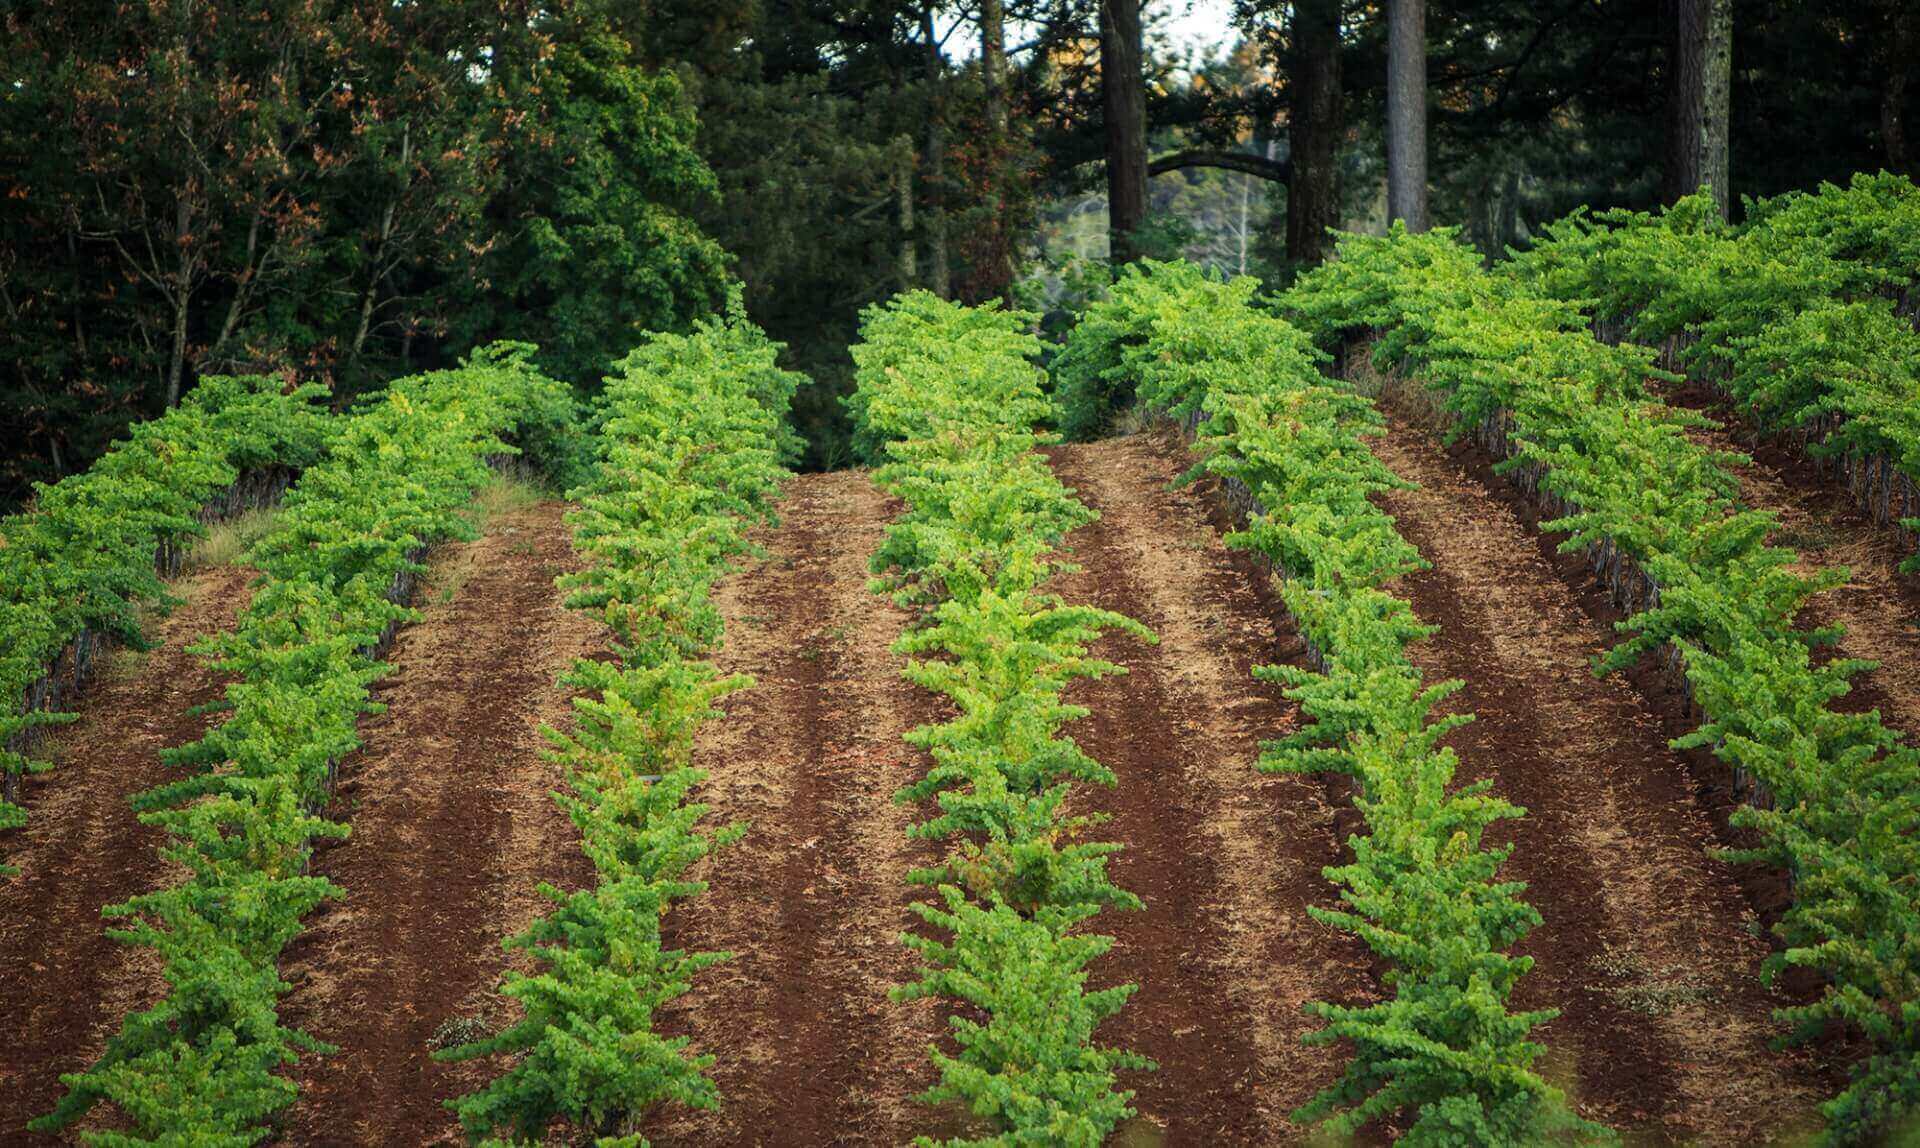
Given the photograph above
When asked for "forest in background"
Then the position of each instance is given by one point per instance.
(345, 191)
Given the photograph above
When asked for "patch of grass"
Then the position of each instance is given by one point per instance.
(1645, 991)
(504, 494)
(446, 581)
(1661, 999)
(1812, 535)
(226, 541)
(459, 1030)
(119, 663)
(1130, 420)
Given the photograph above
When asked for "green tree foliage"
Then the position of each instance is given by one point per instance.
(592, 245)
(948, 397)
(1839, 812)
(1423, 889)
(201, 1066)
(341, 191)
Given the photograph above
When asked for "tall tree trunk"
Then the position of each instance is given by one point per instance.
(371, 293)
(182, 292)
(993, 68)
(1316, 125)
(1407, 112)
(1240, 233)
(939, 269)
(1699, 83)
(1510, 209)
(1480, 220)
(908, 267)
(1123, 97)
(1898, 59)
(993, 62)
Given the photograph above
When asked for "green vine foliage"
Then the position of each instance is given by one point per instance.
(1844, 815)
(1803, 314)
(1443, 1053)
(83, 559)
(948, 397)
(201, 1067)
(692, 434)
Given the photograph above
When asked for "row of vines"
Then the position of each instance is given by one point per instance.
(202, 1065)
(947, 401)
(1833, 793)
(689, 454)
(76, 569)
(1443, 1052)
(1803, 314)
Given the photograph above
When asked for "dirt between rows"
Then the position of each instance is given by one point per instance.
(67, 984)
(453, 829)
(810, 1050)
(1649, 945)
(1226, 859)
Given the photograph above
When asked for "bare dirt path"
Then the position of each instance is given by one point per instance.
(66, 984)
(453, 827)
(1649, 946)
(1879, 607)
(1226, 859)
(812, 901)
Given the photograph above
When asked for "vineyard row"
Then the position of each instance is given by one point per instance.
(202, 1065)
(947, 402)
(688, 456)
(1832, 792)
(1422, 888)
(77, 568)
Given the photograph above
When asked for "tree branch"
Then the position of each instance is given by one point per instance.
(1277, 170)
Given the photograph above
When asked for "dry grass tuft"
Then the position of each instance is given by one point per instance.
(226, 541)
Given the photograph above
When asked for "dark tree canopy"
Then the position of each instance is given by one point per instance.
(346, 190)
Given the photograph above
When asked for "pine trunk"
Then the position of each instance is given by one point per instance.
(939, 269)
(1700, 78)
(1903, 42)
(1124, 100)
(1407, 113)
(1317, 115)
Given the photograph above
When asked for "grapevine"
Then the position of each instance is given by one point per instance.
(1833, 792)
(948, 398)
(689, 455)
(1423, 889)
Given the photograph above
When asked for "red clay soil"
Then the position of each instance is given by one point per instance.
(813, 900)
(1879, 606)
(1226, 859)
(453, 828)
(1649, 946)
(68, 985)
